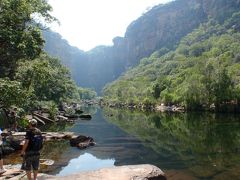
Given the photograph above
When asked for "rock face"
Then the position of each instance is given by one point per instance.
(159, 29)
(131, 172)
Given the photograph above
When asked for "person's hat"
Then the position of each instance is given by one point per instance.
(33, 122)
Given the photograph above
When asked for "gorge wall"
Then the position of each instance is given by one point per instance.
(160, 29)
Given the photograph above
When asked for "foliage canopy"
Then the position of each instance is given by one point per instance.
(203, 70)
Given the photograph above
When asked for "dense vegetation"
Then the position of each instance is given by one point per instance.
(163, 26)
(20, 34)
(192, 68)
(28, 76)
(202, 71)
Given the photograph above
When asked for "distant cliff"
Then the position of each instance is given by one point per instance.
(161, 28)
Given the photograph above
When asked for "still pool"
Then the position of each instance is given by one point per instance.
(184, 146)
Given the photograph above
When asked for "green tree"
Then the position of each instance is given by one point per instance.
(194, 92)
(86, 93)
(161, 84)
(48, 79)
(208, 82)
(20, 35)
(12, 93)
(223, 87)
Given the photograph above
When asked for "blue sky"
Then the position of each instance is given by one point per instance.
(88, 23)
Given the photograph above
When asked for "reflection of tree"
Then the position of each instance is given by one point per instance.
(204, 143)
(54, 151)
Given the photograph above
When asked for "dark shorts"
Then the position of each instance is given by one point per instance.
(31, 161)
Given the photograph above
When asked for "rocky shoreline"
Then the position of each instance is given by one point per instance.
(148, 107)
(130, 172)
(14, 141)
(223, 108)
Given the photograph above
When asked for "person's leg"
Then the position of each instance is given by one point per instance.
(1, 163)
(28, 166)
(1, 158)
(35, 165)
(29, 175)
(2, 170)
(35, 172)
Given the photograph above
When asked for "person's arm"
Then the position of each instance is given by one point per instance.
(24, 147)
(25, 143)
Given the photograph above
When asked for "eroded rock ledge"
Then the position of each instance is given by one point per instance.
(131, 172)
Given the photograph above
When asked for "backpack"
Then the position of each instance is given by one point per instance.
(37, 142)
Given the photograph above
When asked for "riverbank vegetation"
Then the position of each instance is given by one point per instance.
(201, 73)
(29, 77)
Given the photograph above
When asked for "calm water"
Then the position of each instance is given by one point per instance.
(184, 146)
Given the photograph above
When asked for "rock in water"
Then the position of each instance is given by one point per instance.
(82, 142)
(85, 116)
(131, 172)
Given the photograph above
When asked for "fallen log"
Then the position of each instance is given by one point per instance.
(62, 118)
(39, 120)
(43, 118)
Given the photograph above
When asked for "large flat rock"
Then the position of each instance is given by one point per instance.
(131, 172)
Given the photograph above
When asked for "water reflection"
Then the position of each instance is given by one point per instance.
(190, 145)
(205, 145)
(85, 162)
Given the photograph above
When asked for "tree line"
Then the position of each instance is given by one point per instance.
(28, 75)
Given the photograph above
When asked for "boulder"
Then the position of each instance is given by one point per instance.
(85, 116)
(131, 172)
(82, 142)
(85, 144)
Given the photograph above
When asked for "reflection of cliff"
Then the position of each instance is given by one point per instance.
(125, 151)
(113, 143)
(203, 144)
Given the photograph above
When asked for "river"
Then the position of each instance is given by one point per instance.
(186, 146)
